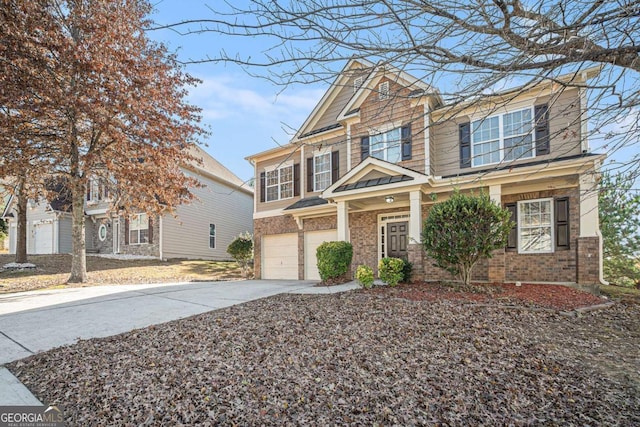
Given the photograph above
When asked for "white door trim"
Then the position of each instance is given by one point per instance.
(385, 218)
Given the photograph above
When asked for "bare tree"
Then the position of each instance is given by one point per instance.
(463, 48)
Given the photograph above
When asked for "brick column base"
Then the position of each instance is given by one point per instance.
(588, 260)
(496, 271)
(415, 254)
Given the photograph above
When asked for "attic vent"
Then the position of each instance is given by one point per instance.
(383, 91)
(357, 83)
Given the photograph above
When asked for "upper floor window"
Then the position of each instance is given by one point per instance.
(279, 183)
(321, 171)
(212, 236)
(386, 146)
(139, 229)
(96, 190)
(504, 137)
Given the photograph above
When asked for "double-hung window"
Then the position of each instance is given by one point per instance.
(386, 146)
(535, 226)
(212, 236)
(321, 171)
(503, 137)
(139, 229)
(279, 183)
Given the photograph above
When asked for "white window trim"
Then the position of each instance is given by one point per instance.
(553, 231)
(319, 153)
(138, 230)
(501, 136)
(215, 232)
(386, 147)
(279, 167)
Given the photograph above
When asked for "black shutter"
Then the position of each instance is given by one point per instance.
(542, 130)
(296, 179)
(512, 242)
(406, 142)
(562, 223)
(364, 147)
(263, 186)
(126, 231)
(335, 166)
(310, 175)
(150, 230)
(464, 130)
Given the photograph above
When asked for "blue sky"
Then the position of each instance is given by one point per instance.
(245, 114)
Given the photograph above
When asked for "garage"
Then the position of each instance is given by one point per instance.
(42, 238)
(313, 239)
(280, 256)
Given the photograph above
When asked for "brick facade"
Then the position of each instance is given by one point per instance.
(145, 249)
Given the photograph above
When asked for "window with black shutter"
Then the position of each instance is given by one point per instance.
(464, 131)
(309, 174)
(263, 186)
(364, 147)
(296, 179)
(542, 130)
(562, 223)
(512, 241)
(335, 166)
(406, 142)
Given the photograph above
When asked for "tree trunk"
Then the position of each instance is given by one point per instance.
(78, 252)
(21, 229)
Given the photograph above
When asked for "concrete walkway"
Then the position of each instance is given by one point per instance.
(33, 322)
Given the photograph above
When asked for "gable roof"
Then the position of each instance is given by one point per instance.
(215, 169)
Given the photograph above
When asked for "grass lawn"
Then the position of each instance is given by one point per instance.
(53, 270)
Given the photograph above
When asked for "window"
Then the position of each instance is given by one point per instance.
(279, 184)
(383, 91)
(505, 137)
(96, 190)
(535, 226)
(139, 229)
(321, 171)
(386, 146)
(102, 232)
(212, 236)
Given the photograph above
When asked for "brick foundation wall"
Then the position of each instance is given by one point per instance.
(105, 247)
(145, 249)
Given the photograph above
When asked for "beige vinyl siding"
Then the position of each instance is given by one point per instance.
(277, 162)
(564, 133)
(187, 236)
(331, 113)
(338, 143)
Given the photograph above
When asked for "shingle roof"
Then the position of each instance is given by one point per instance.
(373, 182)
(307, 202)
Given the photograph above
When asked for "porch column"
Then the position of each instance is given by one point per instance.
(343, 221)
(497, 262)
(415, 216)
(589, 245)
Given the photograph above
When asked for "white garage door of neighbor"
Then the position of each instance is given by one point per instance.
(280, 256)
(42, 238)
(313, 239)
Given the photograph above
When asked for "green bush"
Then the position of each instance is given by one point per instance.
(241, 249)
(364, 276)
(464, 229)
(407, 269)
(391, 270)
(334, 259)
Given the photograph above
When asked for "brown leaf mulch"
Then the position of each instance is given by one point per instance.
(534, 295)
(353, 359)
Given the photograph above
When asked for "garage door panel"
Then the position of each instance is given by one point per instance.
(42, 238)
(280, 256)
(313, 239)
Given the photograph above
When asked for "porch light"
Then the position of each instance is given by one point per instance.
(389, 199)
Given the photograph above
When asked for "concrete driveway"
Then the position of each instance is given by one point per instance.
(32, 322)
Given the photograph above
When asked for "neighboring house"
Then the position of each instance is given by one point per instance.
(201, 230)
(381, 148)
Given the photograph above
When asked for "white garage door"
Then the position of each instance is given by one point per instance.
(280, 256)
(42, 238)
(313, 239)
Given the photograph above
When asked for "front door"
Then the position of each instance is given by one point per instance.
(397, 243)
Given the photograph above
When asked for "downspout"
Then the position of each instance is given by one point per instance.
(160, 236)
(601, 260)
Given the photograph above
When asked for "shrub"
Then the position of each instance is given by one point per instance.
(407, 269)
(334, 259)
(364, 276)
(461, 231)
(241, 249)
(391, 270)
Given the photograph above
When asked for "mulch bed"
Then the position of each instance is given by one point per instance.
(357, 358)
(533, 295)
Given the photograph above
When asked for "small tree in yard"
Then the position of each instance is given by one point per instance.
(461, 231)
(241, 249)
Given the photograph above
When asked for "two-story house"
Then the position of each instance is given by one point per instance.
(381, 148)
(200, 230)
